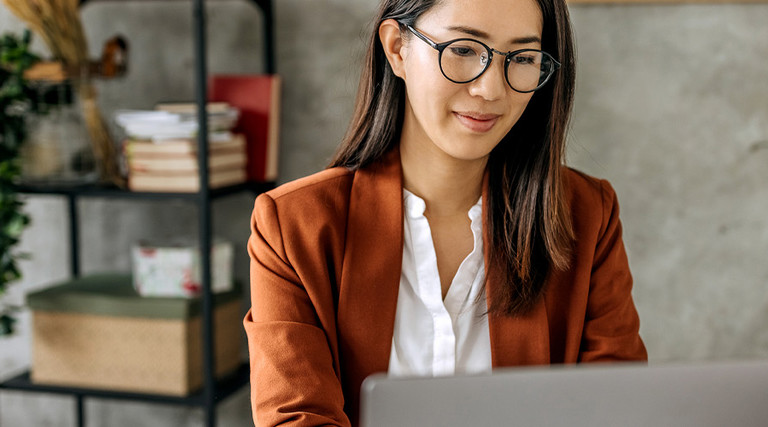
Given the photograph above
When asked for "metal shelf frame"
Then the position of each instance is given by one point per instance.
(224, 388)
(213, 390)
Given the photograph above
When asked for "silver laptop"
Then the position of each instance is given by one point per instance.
(732, 394)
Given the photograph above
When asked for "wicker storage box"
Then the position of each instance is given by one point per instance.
(97, 332)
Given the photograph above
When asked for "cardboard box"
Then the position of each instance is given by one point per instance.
(97, 332)
(174, 271)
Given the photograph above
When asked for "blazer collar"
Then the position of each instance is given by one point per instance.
(371, 268)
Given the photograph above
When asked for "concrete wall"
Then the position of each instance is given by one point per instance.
(671, 107)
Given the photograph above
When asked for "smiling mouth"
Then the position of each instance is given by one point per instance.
(477, 122)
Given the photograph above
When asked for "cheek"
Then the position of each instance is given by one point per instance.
(423, 78)
(428, 92)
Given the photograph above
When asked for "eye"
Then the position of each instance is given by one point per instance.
(463, 50)
(525, 59)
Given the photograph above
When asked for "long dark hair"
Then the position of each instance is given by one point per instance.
(528, 225)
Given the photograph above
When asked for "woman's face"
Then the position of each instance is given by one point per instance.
(466, 121)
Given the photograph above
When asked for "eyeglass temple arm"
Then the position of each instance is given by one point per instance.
(421, 36)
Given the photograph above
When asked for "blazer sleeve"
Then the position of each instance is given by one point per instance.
(611, 328)
(293, 380)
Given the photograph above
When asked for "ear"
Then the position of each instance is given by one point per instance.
(392, 42)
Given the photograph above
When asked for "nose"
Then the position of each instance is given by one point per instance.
(492, 84)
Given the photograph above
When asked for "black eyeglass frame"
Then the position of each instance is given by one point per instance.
(440, 47)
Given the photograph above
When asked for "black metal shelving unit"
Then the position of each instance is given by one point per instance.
(213, 390)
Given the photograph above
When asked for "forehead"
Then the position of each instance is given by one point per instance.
(502, 19)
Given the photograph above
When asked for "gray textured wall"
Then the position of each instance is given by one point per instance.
(671, 107)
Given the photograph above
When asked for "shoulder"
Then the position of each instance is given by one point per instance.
(325, 188)
(329, 180)
(306, 203)
(579, 185)
(592, 200)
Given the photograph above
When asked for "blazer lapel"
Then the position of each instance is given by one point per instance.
(371, 268)
(521, 340)
(515, 340)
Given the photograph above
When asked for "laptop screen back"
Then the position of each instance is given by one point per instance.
(705, 394)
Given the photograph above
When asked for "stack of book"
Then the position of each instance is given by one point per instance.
(161, 148)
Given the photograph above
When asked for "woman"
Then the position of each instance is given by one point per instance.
(446, 237)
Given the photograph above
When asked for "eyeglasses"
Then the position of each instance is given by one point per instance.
(464, 60)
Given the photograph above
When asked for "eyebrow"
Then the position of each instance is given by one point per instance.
(477, 33)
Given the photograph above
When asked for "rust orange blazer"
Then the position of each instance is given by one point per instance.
(326, 252)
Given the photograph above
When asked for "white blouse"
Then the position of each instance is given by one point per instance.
(433, 337)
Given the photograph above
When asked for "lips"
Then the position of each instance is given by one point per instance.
(477, 122)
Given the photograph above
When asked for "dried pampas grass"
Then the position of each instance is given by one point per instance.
(58, 23)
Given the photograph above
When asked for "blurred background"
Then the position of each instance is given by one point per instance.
(671, 107)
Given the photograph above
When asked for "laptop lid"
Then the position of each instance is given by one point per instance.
(679, 395)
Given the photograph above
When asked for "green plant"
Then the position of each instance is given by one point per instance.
(15, 96)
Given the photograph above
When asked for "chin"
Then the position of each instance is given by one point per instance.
(470, 148)
(469, 152)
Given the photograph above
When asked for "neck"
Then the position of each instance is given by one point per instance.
(448, 186)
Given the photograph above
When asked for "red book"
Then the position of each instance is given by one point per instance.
(258, 99)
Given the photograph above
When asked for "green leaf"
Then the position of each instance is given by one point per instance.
(15, 226)
(6, 324)
(16, 102)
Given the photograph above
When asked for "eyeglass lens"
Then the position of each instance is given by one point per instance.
(464, 60)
